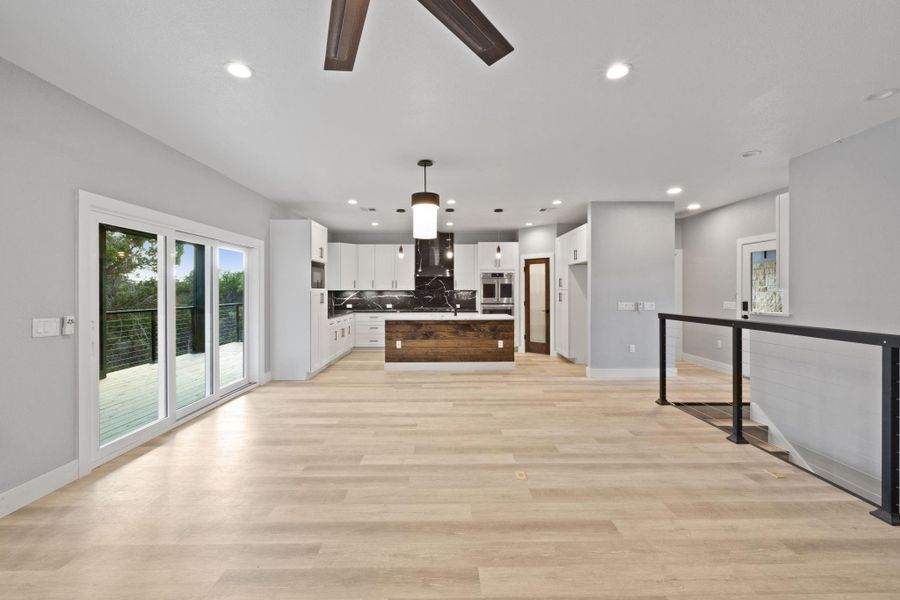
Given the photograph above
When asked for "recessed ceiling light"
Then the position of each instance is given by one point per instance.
(449, 223)
(451, 201)
(674, 190)
(751, 153)
(529, 224)
(401, 210)
(498, 210)
(557, 202)
(883, 94)
(618, 70)
(351, 201)
(374, 223)
(693, 206)
(449, 210)
(239, 70)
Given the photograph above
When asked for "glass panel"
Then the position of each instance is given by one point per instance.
(506, 291)
(130, 385)
(764, 293)
(488, 291)
(191, 330)
(537, 303)
(231, 316)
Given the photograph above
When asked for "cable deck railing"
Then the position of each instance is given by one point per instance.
(889, 505)
(130, 337)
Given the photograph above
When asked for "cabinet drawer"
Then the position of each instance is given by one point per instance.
(369, 341)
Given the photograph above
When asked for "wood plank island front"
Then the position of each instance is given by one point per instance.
(446, 342)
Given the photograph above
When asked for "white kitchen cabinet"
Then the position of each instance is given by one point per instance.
(340, 273)
(365, 267)
(577, 246)
(318, 242)
(561, 330)
(406, 267)
(385, 266)
(465, 267)
(487, 256)
(369, 330)
(318, 330)
(561, 263)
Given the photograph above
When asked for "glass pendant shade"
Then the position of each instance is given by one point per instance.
(498, 251)
(425, 213)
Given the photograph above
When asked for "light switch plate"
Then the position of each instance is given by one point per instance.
(729, 305)
(649, 305)
(627, 306)
(499, 343)
(349, 305)
(46, 327)
(631, 348)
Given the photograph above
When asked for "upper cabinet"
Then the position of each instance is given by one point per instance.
(578, 250)
(487, 256)
(318, 242)
(561, 264)
(465, 267)
(365, 266)
(340, 274)
(406, 266)
(385, 266)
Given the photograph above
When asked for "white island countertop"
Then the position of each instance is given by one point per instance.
(447, 316)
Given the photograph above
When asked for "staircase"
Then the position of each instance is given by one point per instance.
(719, 416)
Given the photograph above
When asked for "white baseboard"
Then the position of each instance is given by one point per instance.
(706, 362)
(26, 493)
(652, 373)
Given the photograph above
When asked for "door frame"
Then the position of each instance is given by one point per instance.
(93, 209)
(548, 309)
(679, 302)
(520, 297)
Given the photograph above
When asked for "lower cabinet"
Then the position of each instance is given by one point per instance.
(369, 330)
(329, 338)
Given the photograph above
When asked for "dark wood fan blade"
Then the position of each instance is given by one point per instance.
(344, 30)
(470, 25)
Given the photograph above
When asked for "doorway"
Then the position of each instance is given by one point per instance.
(537, 305)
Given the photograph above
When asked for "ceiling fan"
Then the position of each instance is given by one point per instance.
(461, 17)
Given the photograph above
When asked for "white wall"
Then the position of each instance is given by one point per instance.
(540, 239)
(710, 278)
(631, 247)
(824, 397)
(52, 144)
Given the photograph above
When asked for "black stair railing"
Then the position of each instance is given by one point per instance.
(889, 509)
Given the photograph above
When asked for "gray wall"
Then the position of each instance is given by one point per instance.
(52, 144)
(823, 398)
(537, 240)
(710, 262)
(631, 247)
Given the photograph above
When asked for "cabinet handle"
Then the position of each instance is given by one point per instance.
(321, 298)
(560, 282)
(560, 296)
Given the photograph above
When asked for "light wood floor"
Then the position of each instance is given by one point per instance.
(366, 484)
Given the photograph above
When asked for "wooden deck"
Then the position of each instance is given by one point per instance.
(129, 399)
(533, 483)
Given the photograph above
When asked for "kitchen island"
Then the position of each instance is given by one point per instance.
(448, 342)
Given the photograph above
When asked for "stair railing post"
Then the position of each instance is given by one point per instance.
(662, 363)
(737, 385)
(889, 511)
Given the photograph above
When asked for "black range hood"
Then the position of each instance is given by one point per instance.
(434, 258)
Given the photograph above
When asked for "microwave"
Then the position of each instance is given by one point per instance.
(318, 276)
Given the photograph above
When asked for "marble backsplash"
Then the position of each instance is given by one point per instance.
(431, 294)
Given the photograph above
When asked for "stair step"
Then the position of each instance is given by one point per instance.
(726, 424)
(773, 450)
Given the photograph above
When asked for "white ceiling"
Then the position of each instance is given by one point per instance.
(711, 79)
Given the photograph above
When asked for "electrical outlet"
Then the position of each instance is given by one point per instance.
(631, 348)
(68, 325)
(389, 305)
(718, 343)
(499, 343)
(649, 305)
(349, 305)
(457, 306)
(399, 344)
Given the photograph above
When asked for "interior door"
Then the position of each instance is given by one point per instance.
(759, 294)
(537, 305)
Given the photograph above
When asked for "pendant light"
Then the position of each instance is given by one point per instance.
(400, 252)
(425, 206)
(497, 255)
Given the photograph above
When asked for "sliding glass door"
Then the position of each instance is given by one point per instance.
(131, 387)
(172, 329)
(232, 323)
